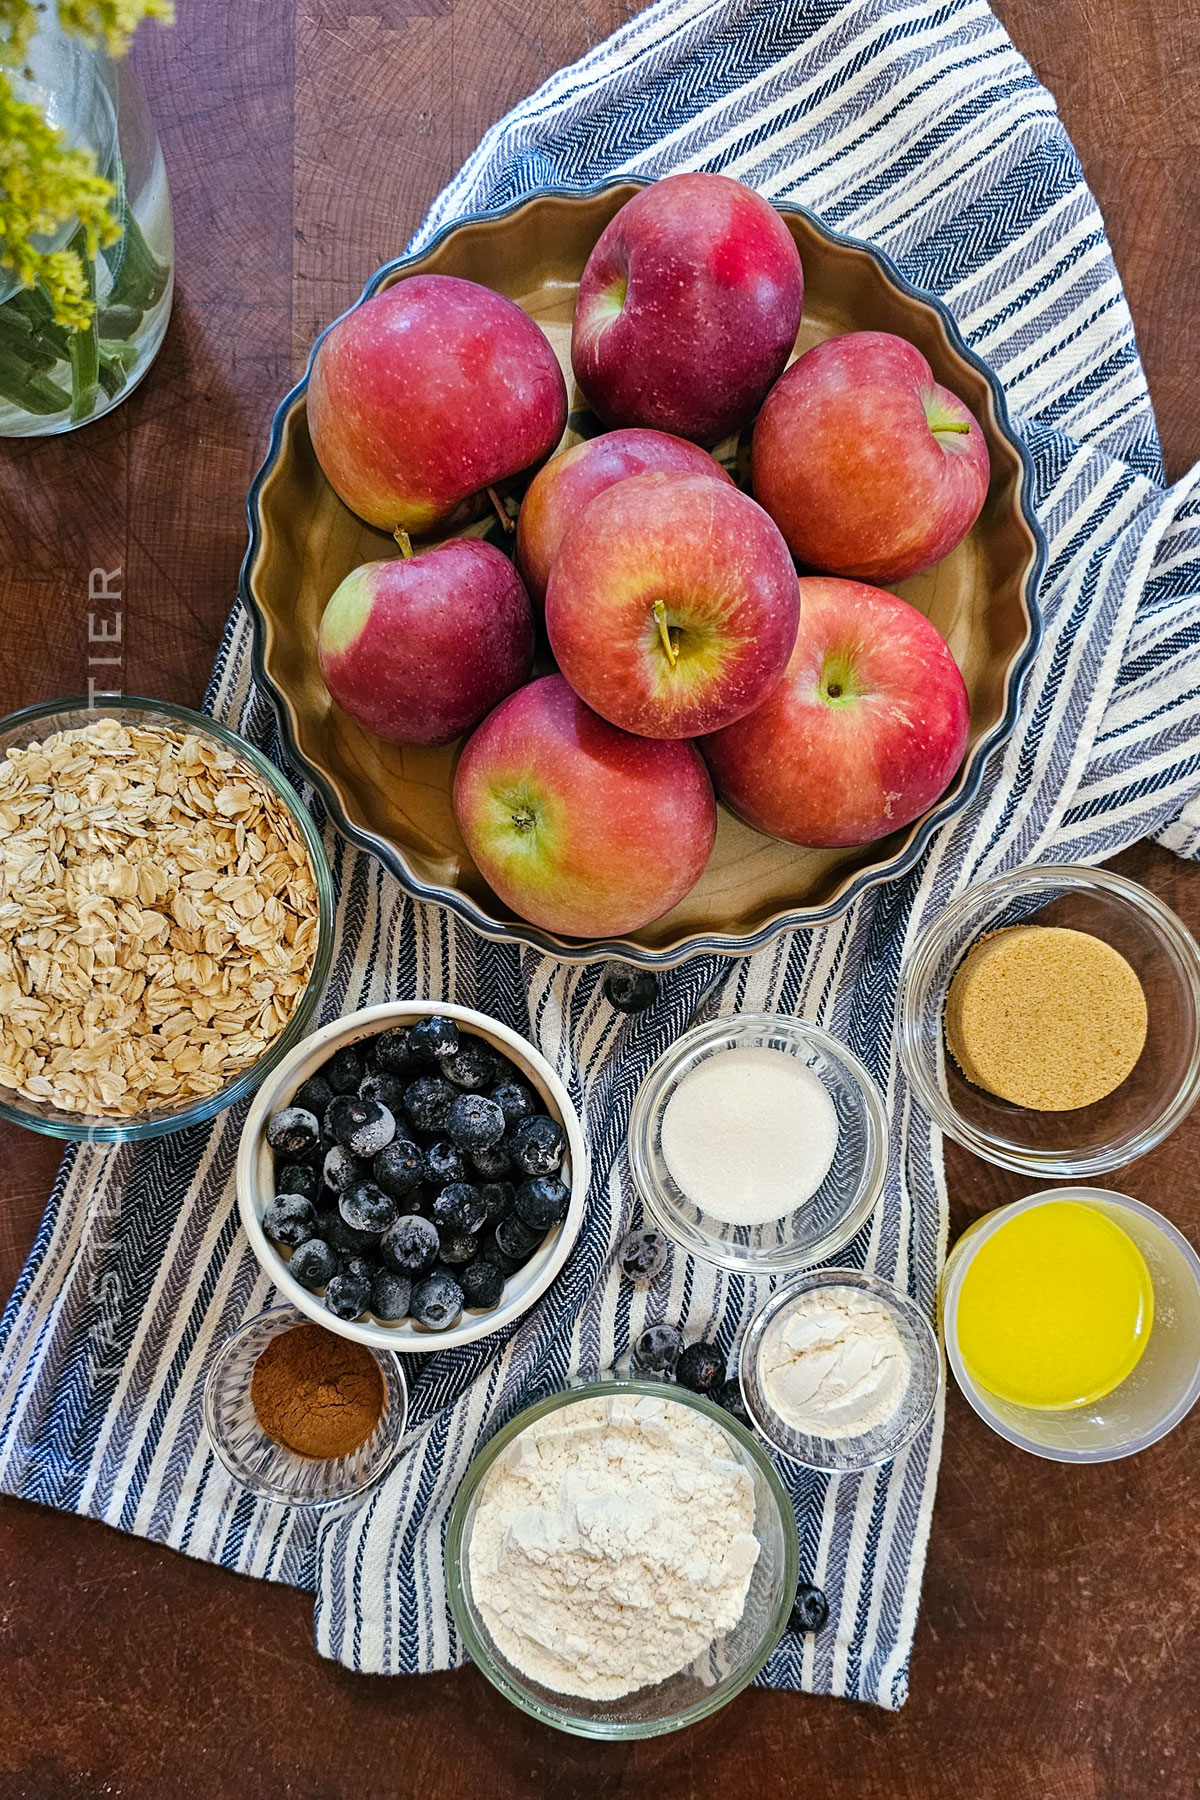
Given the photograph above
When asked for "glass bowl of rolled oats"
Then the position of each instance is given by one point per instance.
(166, 918)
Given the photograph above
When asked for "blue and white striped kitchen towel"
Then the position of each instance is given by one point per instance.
(919, 126)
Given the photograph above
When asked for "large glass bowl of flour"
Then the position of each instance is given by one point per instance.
(759, 1143)
(609, 1533)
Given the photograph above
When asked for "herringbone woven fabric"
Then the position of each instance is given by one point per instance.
(919, 126)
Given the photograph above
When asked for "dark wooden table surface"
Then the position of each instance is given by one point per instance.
(1057, 1647)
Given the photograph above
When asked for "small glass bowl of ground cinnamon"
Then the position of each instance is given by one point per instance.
(300, 1415)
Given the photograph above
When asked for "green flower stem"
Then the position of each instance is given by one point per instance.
(85, 344)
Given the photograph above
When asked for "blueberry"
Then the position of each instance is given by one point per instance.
(339, 1118)
(542, 1202)
(656, 1350)
(515, 1238)
(298, 1178)
(392, 1053)
(348, 1296)
(434, 1036)
(491, 1162)
(361, 1265)
(340, 1169)
(642, 1256)
(344, 1070)
(391, 1296)
(427, 1101)
(437, 1301)
(457, 1247)
(810, 1611)
(459, 1208)
(410, 1246)
(497, 1197)
(475, 1122)
(490, 1251)
(295, 1131)
(374, 1127)
(289, 1219)
(515, 1100)
(538, 1144)
(344, 1238)
(313, 1094)
(729, 1395)
(629, 990)
(313, 1263)
(399, 1168)
(387, 1089)
(444, 1162)
(701, 1368)
(474, 1065)
(482, 1283)
(366, 1207)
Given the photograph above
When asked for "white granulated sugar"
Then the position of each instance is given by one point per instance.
(835, 1364)
(750, 1135)
(613, 1544)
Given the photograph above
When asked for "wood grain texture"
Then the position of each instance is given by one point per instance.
(1057, 1645)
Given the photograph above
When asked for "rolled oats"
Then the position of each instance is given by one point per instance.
(158, 919)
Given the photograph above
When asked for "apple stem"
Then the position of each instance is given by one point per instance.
(664, 632)
(501, 511)
(953, 425)
(405, 542)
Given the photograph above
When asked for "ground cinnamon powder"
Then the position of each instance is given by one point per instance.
(315, 1393)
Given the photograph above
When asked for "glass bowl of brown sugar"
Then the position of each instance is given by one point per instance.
(302, 1416)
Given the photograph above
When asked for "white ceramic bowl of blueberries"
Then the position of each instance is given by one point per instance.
(413, 1176)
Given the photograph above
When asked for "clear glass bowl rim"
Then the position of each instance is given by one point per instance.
(1068, 878)
(976, 1398)
(648, 1099)
(135, 1130)
(390, 1364)
(562, 1718)
(882, 1289)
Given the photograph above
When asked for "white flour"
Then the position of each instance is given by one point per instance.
(835, 1365)
(612, 1545)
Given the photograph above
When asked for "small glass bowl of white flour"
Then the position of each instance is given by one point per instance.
(759, 1143)
(839, 1370)
(621, 1559)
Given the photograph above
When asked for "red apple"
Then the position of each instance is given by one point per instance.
(864, 732)
(672, 605)
(418, 649)
(867, 466)
(559, 492)
(578, 827)
(688, 308)
(426, 395)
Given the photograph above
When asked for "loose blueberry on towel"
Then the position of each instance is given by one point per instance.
(366, 1207)
(348, 1296)
(497, 1197)
(482, 1283)
(437, 1301)
(460, 1208)
(295, 1131)
(391, 1296)
(656, 1351)
(289, 1219)
(642, 1256)
(399, 1168)
(387, 1089)
(514, 1099)
(298, 1178)
(371, 1126)
(313, 1263)
(433, 1037)
(344, 1070)
(542, 1202)
(516, 1239)
(700, 1368)
(313, 1094)
(811, 1609)
(629, 990)
(340, 1169)
(411, 1245)
(729, 1395)
(491, 1162)
(427, 1101)
(474, 1065)
(393, 1054)
(538, 1145)
(445, 1162)
(474, 1122)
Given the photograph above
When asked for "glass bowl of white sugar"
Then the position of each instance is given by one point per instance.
(839, 1370)
(759, 1143)
(621, 1559)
